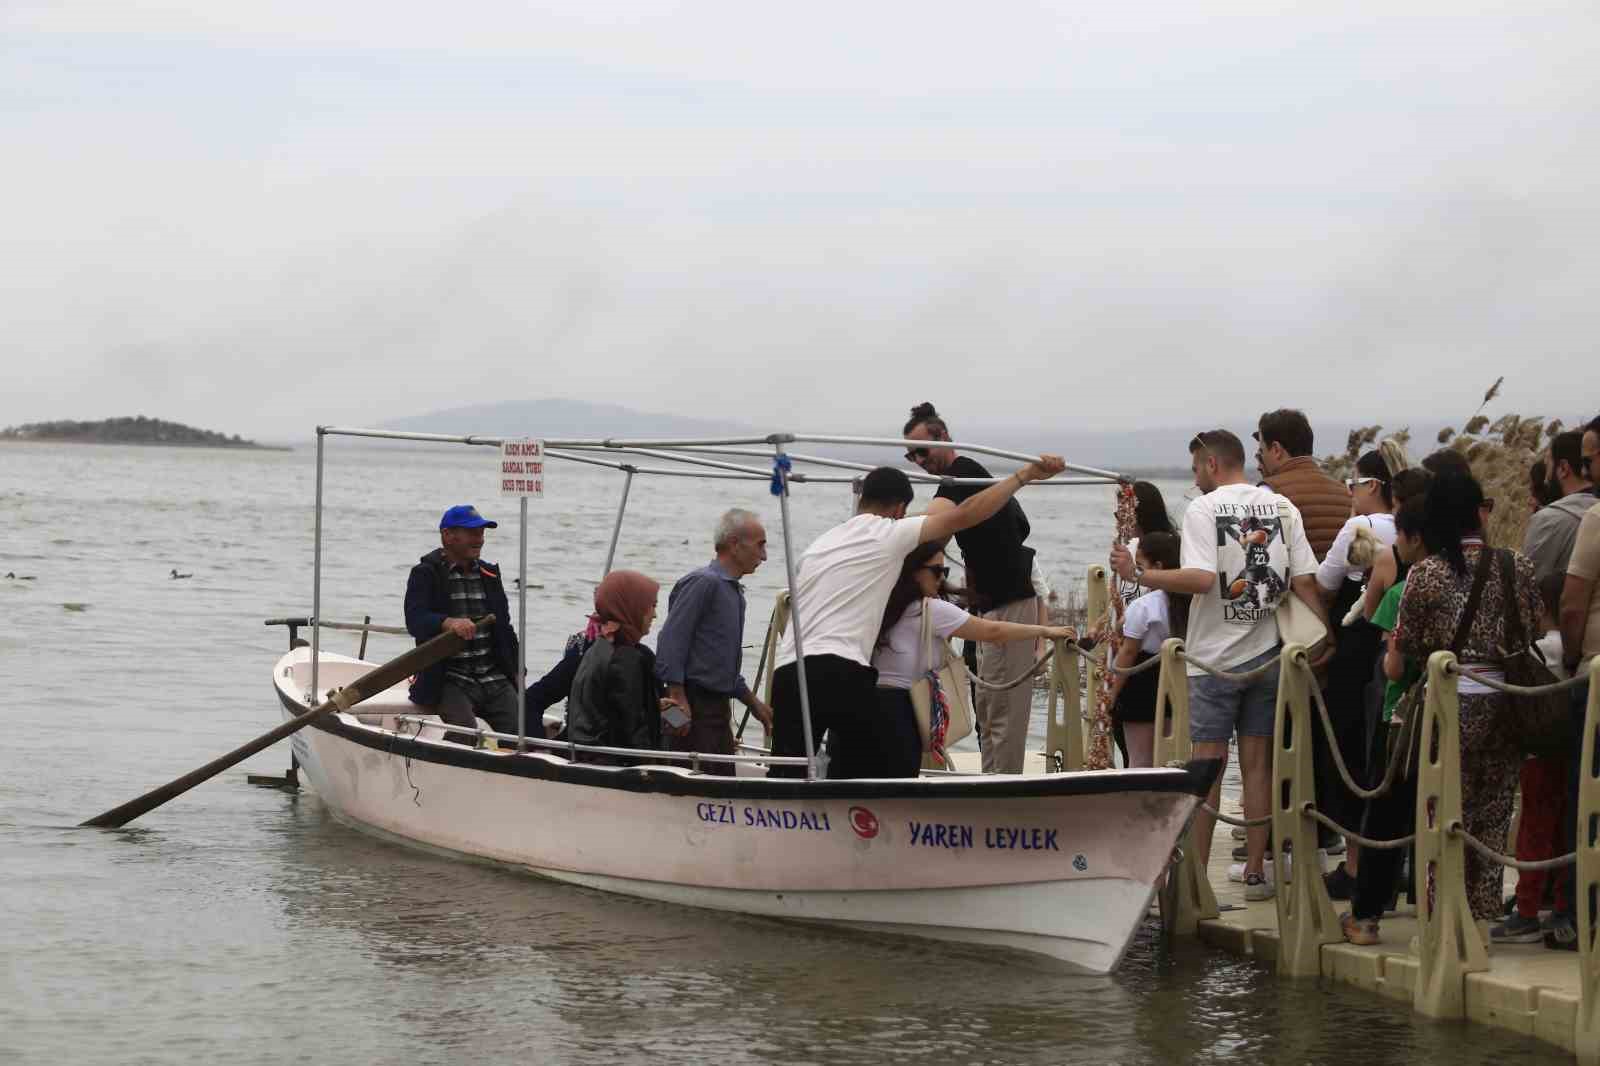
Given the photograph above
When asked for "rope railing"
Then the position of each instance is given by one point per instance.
(1397, 756)
(1027, 675)
(1220, 674)
(1488, 681)
(1527, 865)
(1128, 671)
(1367, 842)
(1455, 828)
(1242, 823)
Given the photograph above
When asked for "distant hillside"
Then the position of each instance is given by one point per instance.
(137, 430)
(561, 418)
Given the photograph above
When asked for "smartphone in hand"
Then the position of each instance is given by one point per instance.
(675, 716)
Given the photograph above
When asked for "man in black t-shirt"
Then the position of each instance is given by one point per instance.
(1000, 583)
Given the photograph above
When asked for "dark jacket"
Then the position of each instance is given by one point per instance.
(428, 605)
(556, 685)
(615, 700)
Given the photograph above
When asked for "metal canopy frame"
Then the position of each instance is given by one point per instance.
(705, 458)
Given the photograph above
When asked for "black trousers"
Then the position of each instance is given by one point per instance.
(843, 695)
(1350, 674)
(890, 734)
(1388, 817)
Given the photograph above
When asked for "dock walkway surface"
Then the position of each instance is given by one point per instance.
(1528, 988)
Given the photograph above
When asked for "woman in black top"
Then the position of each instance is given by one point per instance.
(616, 700)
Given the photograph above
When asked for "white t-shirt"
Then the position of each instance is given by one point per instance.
(1147, 621)
(843, 583)
(1255, 542)
(1335, 567)
(904, 659)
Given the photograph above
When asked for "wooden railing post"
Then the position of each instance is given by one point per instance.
(1190, 894)
(1448, 944)
(1586, 894)
(1306, 919)
(1063, 732)
(1097, 595)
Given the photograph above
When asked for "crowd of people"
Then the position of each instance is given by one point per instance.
(1392, 560)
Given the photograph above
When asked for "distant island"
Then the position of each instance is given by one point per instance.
(137, 430)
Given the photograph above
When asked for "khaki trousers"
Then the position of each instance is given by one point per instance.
(1003, 717)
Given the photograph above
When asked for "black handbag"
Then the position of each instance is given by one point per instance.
(1541, 720)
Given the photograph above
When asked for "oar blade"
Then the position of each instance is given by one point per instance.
(365, 687)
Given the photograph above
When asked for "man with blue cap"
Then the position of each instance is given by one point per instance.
(448, 588)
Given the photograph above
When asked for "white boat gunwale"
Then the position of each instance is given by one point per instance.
(1193, 779)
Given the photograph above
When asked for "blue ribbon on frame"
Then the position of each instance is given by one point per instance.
(781, 465)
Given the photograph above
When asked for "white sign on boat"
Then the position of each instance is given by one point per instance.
(522, 467)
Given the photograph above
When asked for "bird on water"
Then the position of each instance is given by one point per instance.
(179, 577)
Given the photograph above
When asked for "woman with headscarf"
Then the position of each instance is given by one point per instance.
(616, 701)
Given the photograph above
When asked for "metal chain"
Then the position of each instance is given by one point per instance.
(1505, 860)
(1518, 690)
(1222, 675)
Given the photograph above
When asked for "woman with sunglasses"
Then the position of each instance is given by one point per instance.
(900, 658)
(1340, 577)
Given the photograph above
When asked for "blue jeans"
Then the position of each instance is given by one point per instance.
(1218, 708)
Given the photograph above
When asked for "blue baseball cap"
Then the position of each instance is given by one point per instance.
(465, 516)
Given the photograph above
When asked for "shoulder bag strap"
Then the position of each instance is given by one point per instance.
(1471, 610)
(1516, 635)
(926, 646)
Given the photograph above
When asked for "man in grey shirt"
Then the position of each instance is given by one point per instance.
(1553, 529)
(698, 653)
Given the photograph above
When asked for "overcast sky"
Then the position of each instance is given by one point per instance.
(258, 216)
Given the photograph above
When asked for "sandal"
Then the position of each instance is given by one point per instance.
(1359, 931)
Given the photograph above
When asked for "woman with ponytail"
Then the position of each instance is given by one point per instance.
(1369, 530)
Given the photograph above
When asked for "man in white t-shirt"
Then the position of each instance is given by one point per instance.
(1244, 550)
(842, 586)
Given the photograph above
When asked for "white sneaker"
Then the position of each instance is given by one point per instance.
(1236, 870)
(1258, 888)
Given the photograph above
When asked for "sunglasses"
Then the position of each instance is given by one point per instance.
(940, 572)
(916, 455)
(1351, 482)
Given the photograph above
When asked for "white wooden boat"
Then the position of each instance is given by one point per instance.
(1064, 865)
(1061, 864)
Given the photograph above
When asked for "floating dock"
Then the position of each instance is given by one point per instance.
(1528, 988)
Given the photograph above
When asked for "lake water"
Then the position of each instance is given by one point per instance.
(244, 925)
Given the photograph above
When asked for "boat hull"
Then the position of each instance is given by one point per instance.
(1062, 865)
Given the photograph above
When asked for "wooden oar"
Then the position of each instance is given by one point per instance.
(367, 685)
